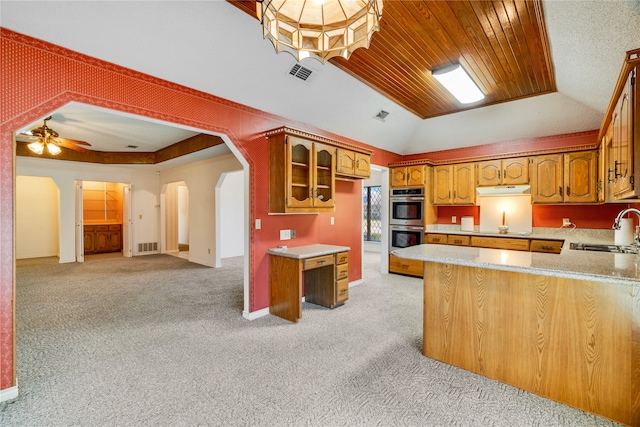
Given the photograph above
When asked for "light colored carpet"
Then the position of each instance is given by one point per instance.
(158, 341)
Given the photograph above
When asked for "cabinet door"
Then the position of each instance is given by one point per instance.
(363, 165)
(580, 177)
(415, 176)
(546, 179)
(464, 189)
(625, 142)
(399, 177)
(515, 171)
(490, 173)
(323, 176)
(299, 177)
(345, 164)
(115, 239)
(89, 241)
(102, 241)
(442, 183)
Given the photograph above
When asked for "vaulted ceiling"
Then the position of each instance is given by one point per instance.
(502, 45)
(537, 85)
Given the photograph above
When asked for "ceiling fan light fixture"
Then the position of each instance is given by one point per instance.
(53, 149)
(37, 147)
(319, 29)
(455, 79)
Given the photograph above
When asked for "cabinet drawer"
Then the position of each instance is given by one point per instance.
(550, 246)
(342, 271)
(342, 257)
(102, 228)
(500, 243)
(410, 267)
(437, 238)
(89, 228)
(115, 227)
(317, 262)
(342, 290)
(458, 240)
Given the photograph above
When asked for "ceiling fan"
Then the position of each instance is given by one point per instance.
(44, 136)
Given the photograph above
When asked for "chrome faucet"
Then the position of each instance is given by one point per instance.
(616, 223)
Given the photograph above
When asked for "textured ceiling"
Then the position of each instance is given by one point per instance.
(216, 48)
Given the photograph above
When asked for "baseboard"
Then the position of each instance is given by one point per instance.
(9, 393)
(356, 283)
(255, 314)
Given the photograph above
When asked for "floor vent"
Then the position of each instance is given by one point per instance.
(304, 74)
(148, 247)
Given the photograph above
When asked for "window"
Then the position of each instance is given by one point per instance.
(371, 208)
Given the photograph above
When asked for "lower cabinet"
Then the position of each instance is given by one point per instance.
(409, 267)
(102, 238)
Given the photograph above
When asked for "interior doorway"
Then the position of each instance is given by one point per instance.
(176, 214)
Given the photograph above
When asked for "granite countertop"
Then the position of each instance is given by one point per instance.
(575, 264)
(308, 251)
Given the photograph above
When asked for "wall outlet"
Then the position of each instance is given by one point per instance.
(258, 224)
(454, 219)
(285, 234)
(293, 233)
(333, 220)
(566, 222)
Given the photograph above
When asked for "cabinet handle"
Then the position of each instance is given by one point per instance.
(560, 191)
(499, 174)
(568, 191)
(609, 180)
(616, 174)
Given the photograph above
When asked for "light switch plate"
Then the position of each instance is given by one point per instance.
(285, 234)
(258, 224)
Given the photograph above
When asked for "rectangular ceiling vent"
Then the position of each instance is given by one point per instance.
(303, 74)
(382, 115)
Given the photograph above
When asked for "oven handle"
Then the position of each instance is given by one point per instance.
(407, 199)
(406, 228)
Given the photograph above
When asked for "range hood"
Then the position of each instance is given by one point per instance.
(503, 190)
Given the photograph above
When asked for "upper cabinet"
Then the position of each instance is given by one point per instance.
(565, 178)
(352, 164)
(503, 172)
(408, 176)
(620, 136)
(454, 184)
(303, 168)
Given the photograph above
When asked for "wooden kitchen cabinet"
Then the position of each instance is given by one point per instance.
(504, 172)
(500, 243)
(565, 178)
(352, 164)
(408, 267)
(301, 175)
(408, 176)
(101, 238)
(454, 184)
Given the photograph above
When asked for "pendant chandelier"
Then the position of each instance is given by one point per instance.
(319, 29)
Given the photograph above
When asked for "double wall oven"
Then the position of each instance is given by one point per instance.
(406, 223)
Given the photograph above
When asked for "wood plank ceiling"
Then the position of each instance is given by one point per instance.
(502, 44)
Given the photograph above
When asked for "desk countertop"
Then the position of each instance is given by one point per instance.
(308, 251)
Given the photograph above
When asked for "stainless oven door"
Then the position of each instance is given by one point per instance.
(407, 211)
(405, 236)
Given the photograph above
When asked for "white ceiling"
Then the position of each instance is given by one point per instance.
(214, 47)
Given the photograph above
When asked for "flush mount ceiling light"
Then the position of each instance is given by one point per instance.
(456, 80)
(320, 29)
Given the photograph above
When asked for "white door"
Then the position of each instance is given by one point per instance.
(126, 221)
(79, 223)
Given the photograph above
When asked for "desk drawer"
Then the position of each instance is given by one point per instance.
(343, 257)
(320, 261)
(342, 271)
(342, 290)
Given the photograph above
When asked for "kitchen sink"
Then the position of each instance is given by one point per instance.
(617, 249)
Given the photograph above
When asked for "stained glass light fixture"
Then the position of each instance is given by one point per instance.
(320, 29)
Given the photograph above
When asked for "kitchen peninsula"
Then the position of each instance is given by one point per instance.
(565, 326)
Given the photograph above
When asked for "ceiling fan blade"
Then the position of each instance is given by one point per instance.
(70, 145)
(23, 137)
(74, 141)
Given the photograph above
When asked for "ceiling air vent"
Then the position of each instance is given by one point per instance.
(382, 115)
(131, 146)
(301, 73)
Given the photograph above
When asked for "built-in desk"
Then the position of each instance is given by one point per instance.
(323, 270)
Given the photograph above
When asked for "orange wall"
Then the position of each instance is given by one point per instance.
(38, 77)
